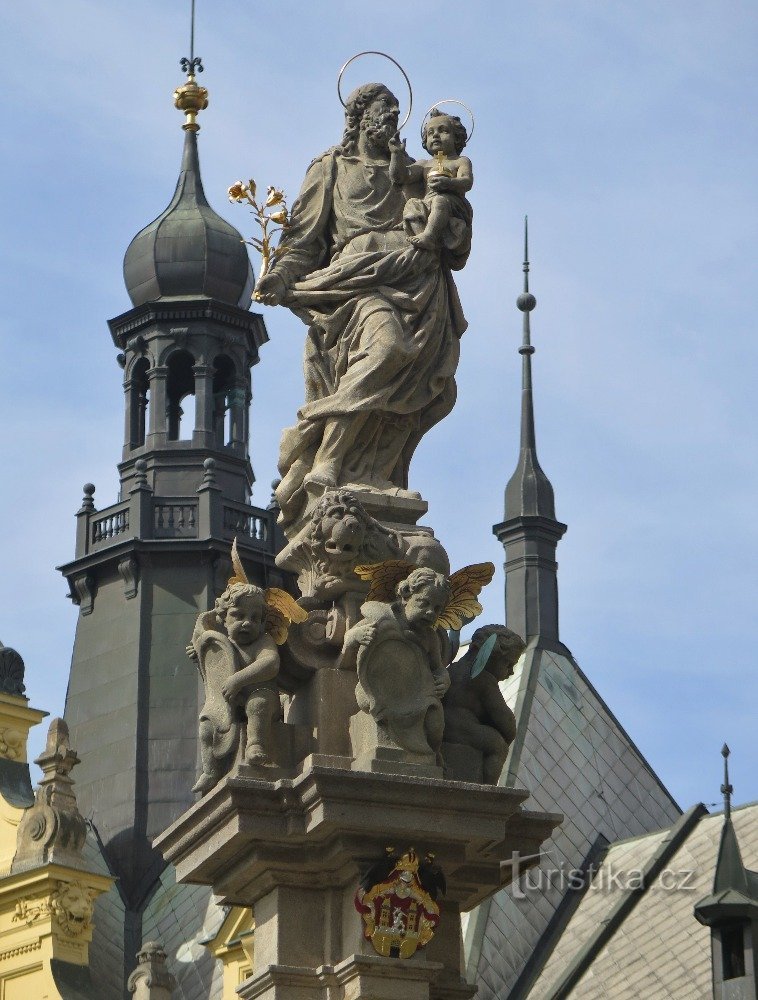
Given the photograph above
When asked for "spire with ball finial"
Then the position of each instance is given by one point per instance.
(530, 531)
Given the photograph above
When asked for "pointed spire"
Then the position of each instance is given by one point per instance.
(529, 491)
(726, 788)
(189, 251)
(529, 530)
(735, 888)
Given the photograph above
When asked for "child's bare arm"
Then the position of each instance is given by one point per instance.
(460, 184)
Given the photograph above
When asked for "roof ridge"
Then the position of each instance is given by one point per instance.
(629, 898)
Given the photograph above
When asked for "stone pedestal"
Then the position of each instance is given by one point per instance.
(463, 763)
(325, 704)
(294, 849)
(374, 750)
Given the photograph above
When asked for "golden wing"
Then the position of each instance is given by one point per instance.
(240, 576)
(466, 585)
(384, 578)
(281, 610)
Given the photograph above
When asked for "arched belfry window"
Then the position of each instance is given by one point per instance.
(138, 399)
(223, 385)
(180, 383)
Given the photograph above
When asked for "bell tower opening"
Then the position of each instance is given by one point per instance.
(223, 385)
(180, 383)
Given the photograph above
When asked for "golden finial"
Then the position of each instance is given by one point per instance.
(191, 98)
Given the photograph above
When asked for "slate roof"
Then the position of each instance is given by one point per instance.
(181, 917)
(657, 950)
(106, 952)
(576, 759)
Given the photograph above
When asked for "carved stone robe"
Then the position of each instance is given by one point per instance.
(384, 325)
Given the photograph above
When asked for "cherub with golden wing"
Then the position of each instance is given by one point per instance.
(235, 646)
(416, 605)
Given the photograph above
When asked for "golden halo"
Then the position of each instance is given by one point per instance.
(373, 52)
(449, 100)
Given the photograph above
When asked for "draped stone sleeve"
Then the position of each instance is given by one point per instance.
(306, 239)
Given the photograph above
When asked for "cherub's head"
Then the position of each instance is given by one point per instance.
(241, 608)
(424, 595)
(506, 652)
(443, 133)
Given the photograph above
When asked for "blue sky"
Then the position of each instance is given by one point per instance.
(626, 131)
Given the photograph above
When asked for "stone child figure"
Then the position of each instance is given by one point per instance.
(476, 714)
(401, 647)
(400, 658)
(235, 646)
(446, 179)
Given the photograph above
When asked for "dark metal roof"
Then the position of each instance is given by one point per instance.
(188, 250)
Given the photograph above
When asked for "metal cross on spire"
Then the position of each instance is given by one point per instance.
(194, 63)
(726, 788)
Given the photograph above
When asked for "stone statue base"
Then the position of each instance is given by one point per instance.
(295, 849)
(373, 749)
(463, 763)
(325, 704)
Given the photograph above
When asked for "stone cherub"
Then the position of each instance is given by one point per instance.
(235, 647)
(446, 179)
(400, 648)
(476, 714)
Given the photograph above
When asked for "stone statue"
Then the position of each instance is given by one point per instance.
(400, 658)
(235, 646)
(384, 318)
(446, 177)
(401, 650)
(476, 715)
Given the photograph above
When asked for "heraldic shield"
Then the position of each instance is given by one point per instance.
(399, 915)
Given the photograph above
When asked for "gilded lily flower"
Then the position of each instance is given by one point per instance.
(274, 197)
(251, 186)
(280, 217)
(238, 191)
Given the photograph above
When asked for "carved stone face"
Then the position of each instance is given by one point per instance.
(244, 620)
(342, 533)
(424, 606)
(380, 119)
(439, 136)
(72, 905)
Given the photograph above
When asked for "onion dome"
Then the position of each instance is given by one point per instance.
(189, 251)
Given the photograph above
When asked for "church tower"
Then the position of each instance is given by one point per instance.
(148, 564)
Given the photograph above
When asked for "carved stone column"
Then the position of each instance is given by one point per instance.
(236, 399)
(158, 434)
(295, 848)
(202, 436)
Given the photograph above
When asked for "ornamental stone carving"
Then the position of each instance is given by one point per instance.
(52, 829)
(151, 980)
(72, 906)
(11, 672)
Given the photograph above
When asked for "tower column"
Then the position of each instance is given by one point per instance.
(236, 399)
(158, 412)
(202, 435)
